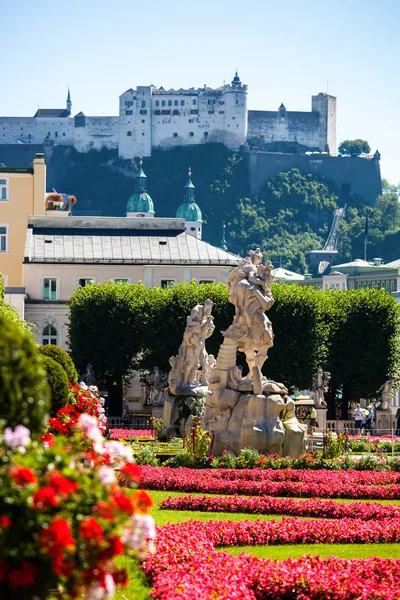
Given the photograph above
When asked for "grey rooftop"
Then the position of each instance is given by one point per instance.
(106, 223)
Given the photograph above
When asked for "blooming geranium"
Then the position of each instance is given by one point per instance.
(63, 516)
(85, 401)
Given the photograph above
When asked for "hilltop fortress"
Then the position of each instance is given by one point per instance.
(151, 117)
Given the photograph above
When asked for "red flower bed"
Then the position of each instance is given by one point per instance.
(127, 434)
(186, 565)
(328, 509)
(323, 484)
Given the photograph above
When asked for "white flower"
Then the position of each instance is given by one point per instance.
(106, 475)
(20, 437)
(83, 385)
(121, 450)
(99, 591)
(140, 535)
(90, 426)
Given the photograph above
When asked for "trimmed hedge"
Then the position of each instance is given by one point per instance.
(63, 358)
(58, 383)
(24, 392)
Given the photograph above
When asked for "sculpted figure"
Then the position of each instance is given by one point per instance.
(251, 329)
(192, 365)
(320, 387)
(385, 392)
(88, 376)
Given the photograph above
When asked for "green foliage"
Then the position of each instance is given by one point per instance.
(58, 383)
(11, 314)
(334, 445)
(24, 393)
(247, 459)
(63, 358)
(364, 347)
(146, 456)
(290, 217)
(157, 425)
(198, 444)
(354, 147)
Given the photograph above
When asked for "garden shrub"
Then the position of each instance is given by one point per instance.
(63, 358)
(58, 383)
(247, 459)
(225, 461)
(146, 456)
(24, 393)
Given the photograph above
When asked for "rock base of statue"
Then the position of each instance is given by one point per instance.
(321, 418)
(262, 419)
(384, 420)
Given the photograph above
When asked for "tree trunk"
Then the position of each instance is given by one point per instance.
(331, 402)
(114, 402)
(345, 401)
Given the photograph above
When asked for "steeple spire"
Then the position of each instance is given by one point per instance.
(223, 245)
(69, 103)
(140, 204)
(190, 211)
(189, 187)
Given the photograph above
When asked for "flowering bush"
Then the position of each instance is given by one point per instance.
(186, 565)
(83, 399)
(315, 507)
(63, 517)
(259, 482)
(129, 434)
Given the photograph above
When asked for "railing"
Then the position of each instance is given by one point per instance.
(343, 426)
(133, 422)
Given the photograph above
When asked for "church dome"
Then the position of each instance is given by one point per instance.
(140, 202)
(189, 210)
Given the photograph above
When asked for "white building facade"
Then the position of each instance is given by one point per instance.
(151, 117)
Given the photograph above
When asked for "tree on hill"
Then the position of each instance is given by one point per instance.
(354, 147)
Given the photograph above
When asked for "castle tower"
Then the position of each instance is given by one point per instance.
(140, 203)
(325, 105)
(69, 103)
(190, 211)
(235, 121)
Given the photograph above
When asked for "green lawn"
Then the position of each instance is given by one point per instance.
(324, 550)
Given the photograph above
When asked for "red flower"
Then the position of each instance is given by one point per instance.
(57, 538)
(61, 484)
(45, 498)
(123, 502)
(23, 577)
(5, 522)
(131, 471)
(115, 547)
(47, 439)
(120, 577)
(90, 529)
(143, 500)
(105, 510)
(23, 476)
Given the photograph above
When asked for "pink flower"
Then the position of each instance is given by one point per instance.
(106, 475)
(19, 438)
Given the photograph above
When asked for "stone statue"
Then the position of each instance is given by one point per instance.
(251, 330)
(157, 383)
(191, 368)
(88, 376)
(386, 391)
(320, 387)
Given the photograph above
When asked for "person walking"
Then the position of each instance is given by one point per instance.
(370, 418)
(358, 417)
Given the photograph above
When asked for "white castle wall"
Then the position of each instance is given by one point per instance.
(157, 118)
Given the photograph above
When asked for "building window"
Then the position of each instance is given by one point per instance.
(143, 103)
(166, 111)
(221, 112)
(3, 190)
(165, 283)
(129, 133)
(123, 281)
(64, 134)
(128, 112)
(157, 112)
(128, 103)
(143, 112)
(206, 134)
(169, 102)
(392, 285)
(211, 102)
(175, 134)
(194, 102)
(157, 103)
(191, 134)
(142, 133)
(194, 111)
(56, 134)
(182, 103)
(175, 112)
(50, 289)
(175, 102)
(143, 120)
(162, 102)
(85, 282)
(190, 120)
(3, 238)
(388, 286)
(49, 335)
(206, 281)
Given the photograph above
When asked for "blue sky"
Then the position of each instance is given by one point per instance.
(284, 51)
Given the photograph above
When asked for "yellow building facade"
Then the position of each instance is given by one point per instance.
(22, 194)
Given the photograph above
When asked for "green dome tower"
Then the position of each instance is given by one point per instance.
(190, 211)
(140, 203)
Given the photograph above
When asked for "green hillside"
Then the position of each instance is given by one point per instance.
(291, 215)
